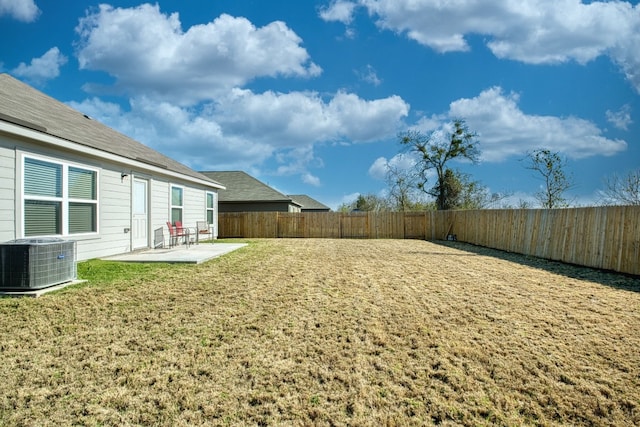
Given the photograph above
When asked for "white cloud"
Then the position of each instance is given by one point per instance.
(244, 129)
(360, 120)
(338, 10)
(148, 52)
(625, 54)
(43, 68)
(504, 130)
(298, 118)
(402, 161)
(368, 74)
(296, 161)
(621, 119)
(310, 179)
(283, 119)
(22, 10)
(530, 31)
(378, 170)
(350, 33)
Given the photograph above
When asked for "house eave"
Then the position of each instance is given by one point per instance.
(288, 201)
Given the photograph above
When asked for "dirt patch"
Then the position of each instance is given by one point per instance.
(328, 332)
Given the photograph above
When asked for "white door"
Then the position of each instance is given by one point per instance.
(140, 217)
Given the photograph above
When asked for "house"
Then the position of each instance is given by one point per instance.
(309, 204)
(245, 193)
(63, 174)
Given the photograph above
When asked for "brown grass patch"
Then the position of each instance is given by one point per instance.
(329, 332)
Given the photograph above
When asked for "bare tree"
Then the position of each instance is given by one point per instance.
(556, 182)
(474, 195)
(434, 153)
(622, 190)
(366, 203)
(403, 193)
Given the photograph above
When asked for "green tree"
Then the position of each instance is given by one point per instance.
(344, 207)
(434, 153)
(550, 166)
(366, 203)
(474, 195)
(461, 192)
(448, 191)
(622, 190)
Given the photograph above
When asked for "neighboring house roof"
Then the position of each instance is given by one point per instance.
(242, 187)
(308, 203)
(22, 105)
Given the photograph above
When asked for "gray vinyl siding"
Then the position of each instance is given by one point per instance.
(7, 191)
(114, 216)
(160, 204)
(194, 206)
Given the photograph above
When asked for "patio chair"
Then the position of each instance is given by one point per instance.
(189, 233)
(158, 238)
(203, 229)
(176, 232)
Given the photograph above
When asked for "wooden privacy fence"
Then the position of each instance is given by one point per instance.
(601, 237)
(358, 225)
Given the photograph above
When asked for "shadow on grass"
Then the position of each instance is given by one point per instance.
(604, 277)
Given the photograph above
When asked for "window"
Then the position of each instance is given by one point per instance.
(176, 204)
(83, 201)
(210, 208)
(59, 199)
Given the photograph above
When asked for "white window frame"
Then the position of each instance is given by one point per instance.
(172, 206)
(208, 209)
(65, 199)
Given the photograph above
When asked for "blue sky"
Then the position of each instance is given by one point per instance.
(309, 96)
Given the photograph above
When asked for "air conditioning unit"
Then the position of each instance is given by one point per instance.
(29, 264)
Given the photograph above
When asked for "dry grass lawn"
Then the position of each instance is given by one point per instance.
(327, 332)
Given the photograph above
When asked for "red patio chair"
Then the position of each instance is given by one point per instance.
(183, 232)
(176, 232)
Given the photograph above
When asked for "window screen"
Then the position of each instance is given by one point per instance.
(42, 218)
(82, 184)
(42, 178)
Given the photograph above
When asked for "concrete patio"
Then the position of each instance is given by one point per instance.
(194, 254)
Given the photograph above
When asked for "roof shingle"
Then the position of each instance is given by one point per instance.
(309, 203)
